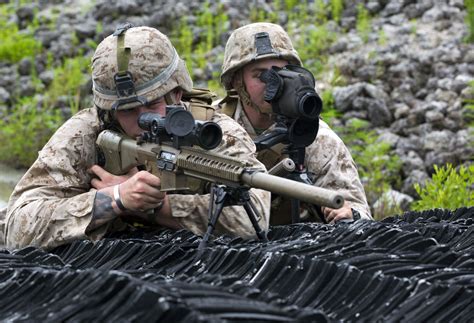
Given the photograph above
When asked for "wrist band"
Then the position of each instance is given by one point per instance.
(160, 206)
(117, 198)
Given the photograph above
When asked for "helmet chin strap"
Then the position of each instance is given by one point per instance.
(239, 87)
(170, 99)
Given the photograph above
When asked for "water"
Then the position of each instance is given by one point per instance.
(8, 179)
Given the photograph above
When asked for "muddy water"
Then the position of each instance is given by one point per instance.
(8, 179)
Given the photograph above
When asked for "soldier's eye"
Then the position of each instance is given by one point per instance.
(159, 100)
(127, 111)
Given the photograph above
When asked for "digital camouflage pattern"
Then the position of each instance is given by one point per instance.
(154, 64)
(328, 161)
(240, 49)
(52, 204)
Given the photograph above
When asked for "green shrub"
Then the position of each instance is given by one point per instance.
(336, 9)
(67, 81)
(468, 108)
(448, 189)
(183, 41)
(329, 111)
(470, 19)
(363, 23)
(378, 166)
(212, 25)
(306, 26)
(15, 44)
(312, 46)
(29, 123)
(382, 38)
(25, 131)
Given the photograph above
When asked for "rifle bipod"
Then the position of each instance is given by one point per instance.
(221, 196)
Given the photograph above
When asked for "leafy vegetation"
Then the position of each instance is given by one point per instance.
(363, 22)
(329, 112)
(33, 119)
(448, 189)
(32, 122)
(378, 166)
(468, 108)
(470, 19)
(15, 45)
(212, 24)
(67, 81)
(336, 9)
(26, 130)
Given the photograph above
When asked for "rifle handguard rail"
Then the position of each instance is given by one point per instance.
(211, 164)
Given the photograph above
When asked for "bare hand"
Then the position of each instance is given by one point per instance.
(105, 179)
(334, 215)
(141, 192)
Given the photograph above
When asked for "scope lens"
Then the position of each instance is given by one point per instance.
(209, 135)
(150, 122)
(179, 122)
(310, 106)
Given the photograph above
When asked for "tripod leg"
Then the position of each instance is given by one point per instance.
(252, 213)
(218, 199)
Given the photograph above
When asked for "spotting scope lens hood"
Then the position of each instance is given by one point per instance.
(291, 91)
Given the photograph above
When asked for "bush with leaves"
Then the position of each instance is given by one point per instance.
(449, 188)
(363, 24)
(26, 129)
(16, 45)
(379, 167)
(470, 19)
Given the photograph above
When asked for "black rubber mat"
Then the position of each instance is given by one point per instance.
(415, 267)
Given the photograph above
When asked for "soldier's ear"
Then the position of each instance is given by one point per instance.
(178, 94)
(174, 96)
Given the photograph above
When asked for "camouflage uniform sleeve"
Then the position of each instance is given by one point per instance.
(52, 203)
(332, 164)
(192, 210)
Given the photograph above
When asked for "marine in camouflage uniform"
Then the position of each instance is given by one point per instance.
(328, 161)
(64, 196)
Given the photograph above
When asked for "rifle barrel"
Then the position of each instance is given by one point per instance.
(300, 191)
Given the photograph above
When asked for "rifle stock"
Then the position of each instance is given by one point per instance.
(179, 169)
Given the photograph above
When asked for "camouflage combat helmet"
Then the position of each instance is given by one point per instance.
(135, 66)
(254, 42)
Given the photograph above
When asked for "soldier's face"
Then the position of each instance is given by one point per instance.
(254, 86)
(128, 119)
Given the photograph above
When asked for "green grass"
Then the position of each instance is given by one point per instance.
(336, 9)
(15, 44)
(212, 24)
(25, 131)
(448, 189)
(470, 20)
(379, 167)
(363, 23)
(30, 122)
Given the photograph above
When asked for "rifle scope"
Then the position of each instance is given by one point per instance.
(180, 127)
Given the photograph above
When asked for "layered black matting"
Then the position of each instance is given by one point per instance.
(415, 267)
